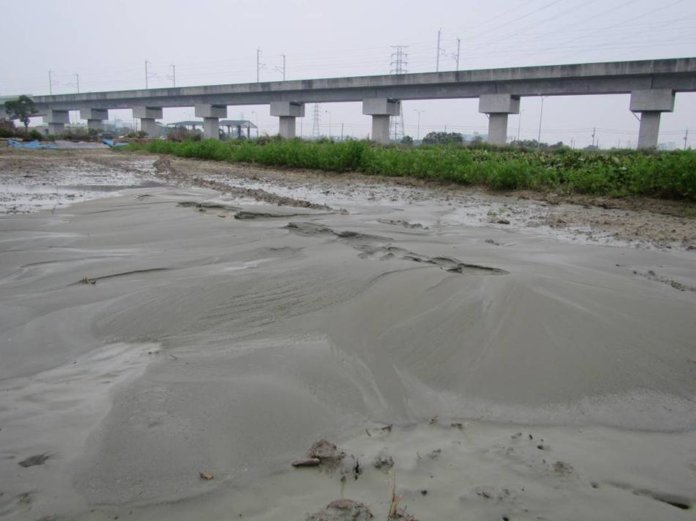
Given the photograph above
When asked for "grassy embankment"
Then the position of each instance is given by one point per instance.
(670, 175)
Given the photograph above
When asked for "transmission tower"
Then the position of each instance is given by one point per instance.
(398, 64)
(316, 132)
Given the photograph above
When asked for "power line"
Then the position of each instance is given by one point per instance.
(531, 13)
(623, 22)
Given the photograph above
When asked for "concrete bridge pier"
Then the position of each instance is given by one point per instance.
(498, 107)
(57, 119)
(95, 118)
(147, 117)
(211, 115)
(651, 104)
(381, 109)
(286, 112)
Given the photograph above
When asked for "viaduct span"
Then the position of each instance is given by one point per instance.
(652, 85)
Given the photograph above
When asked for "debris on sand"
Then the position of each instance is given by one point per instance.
(306, 462)
(381, 430)
(342, 510)
(320, 452)
(434, 454)
(383, 462)
(325, 451)
(396, 512)
(32, 461)
(206, 476)
(563, 468)
(165, 169)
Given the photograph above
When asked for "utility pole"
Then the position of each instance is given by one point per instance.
(146, 74)
(341, 131)
(399, 60)
(316, 132)
(77, 82)
(50, 82)
(459, 44)
(172, 76)
(329, 113)
(437, 59)
(418, 126)
(259, 65)
(398, 63)
(686, 137)
(256, 121)
(281, 69)
(594, 132)
(541, 115)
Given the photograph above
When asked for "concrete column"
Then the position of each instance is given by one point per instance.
(649, 129)
(95, 124)
(498, 107)
(211, 128)
(651, 104)
(286, 112)
(211, 115)
(147, 116)
(56, 119)
(381, 109)
(149, 126)
(497, 128)
(95, 118)
(380, 128)
(286, 126)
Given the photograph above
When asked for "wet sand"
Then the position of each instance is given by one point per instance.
(192, 326)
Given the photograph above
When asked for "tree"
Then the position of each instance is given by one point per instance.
(443, 138)
(531, 144)
(22, 109)
(7, 128)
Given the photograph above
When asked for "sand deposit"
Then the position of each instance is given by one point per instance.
(168, 353)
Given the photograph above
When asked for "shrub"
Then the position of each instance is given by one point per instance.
(35, 134)
(180, 134)
(658, 174)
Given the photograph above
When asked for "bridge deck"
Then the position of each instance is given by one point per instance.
(677, 74)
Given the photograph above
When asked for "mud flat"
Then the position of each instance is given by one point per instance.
(168, 353)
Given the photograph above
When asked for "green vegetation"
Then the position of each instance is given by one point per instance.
(620, 173)
(22, 109)
(79, 134)
(443, 138)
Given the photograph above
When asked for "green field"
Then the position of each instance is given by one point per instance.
(670, 175)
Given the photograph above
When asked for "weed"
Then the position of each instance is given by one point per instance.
(668, 175)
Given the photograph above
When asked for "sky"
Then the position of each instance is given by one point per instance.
(103, 45)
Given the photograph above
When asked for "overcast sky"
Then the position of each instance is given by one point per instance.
(107, 43)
